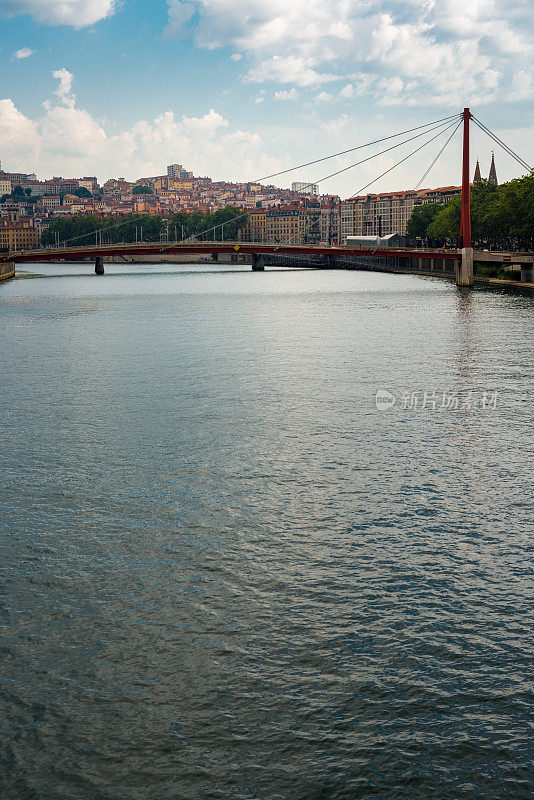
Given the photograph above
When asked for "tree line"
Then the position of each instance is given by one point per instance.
(501, 217)
(145, 227)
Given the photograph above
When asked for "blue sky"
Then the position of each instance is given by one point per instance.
(237, 89)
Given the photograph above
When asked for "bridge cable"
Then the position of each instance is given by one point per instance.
(401, 161)
(352, 149)
(427, 126)
(442, 126)
(437, 157)
(505, 147)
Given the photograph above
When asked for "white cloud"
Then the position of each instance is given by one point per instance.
(522, 87)
(289, 69)
(445, 50)
(180, 13)
(452, 70)
(63, 91)
(76, 13)
(67, 140)
(258, 100)
(236, 56)
(323, 97)
(24, 52)
(286, 94)
(18, 133)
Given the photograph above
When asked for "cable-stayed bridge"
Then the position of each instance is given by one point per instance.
(458, 261)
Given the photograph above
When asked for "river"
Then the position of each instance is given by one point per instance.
(228, 573)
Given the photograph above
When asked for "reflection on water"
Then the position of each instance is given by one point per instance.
(225, 574)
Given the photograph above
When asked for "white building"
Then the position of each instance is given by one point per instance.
(305, 188)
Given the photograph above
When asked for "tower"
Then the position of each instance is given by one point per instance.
(477, 178)
(493, 172)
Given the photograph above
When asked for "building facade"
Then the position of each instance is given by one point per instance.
(304, 188)
(20, 236)
(389, 212)
(297, 223)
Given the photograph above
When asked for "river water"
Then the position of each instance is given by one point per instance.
(225, 573)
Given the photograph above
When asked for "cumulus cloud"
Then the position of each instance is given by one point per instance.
(63, 91)
(286, 94)
(289, 69)
(444, 50)
(76, 13)
(67, 140)
(24, 52)
(522, 87)
(17, 132)
(323, 97)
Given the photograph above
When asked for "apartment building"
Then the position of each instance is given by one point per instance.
(20, 236)
(115, 186)
(294, 223)
(177, 172)
(389, 212)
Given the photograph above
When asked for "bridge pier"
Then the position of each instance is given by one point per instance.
(329, 261)
(526, 273)
(99, 265)
(258, 262)
(465, 272)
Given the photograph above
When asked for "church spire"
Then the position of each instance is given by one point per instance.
(493, 172)
(478, 176)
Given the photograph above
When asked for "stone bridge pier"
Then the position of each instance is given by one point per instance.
(99, 265)
(258, 262)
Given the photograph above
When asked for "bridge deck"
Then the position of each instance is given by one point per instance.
(252, 248)
(248, 248)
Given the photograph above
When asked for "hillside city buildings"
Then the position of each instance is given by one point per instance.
(28, 205)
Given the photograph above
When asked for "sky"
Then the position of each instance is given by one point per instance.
(239, 89)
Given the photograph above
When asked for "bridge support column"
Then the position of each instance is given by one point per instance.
(420, 263)
(329, 261)
(526, 273)
(258, 262)
(99, 265)
(465, 273)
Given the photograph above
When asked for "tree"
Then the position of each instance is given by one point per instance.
(446, 224)
(501, 216)
(142, 190)
(82, 192)
(18, 194)
(420, 219)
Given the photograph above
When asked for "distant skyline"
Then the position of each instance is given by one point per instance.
(236, 90)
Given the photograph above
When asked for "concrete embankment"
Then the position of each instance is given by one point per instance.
(7, 270)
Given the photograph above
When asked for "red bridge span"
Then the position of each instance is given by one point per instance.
(434, 261)
(325, 256)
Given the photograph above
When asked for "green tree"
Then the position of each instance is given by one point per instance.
(142, 190)
(82, 192)
(501, 216)
(445, 227)
(420, 219)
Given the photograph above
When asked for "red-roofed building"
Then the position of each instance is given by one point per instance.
(388, 212)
